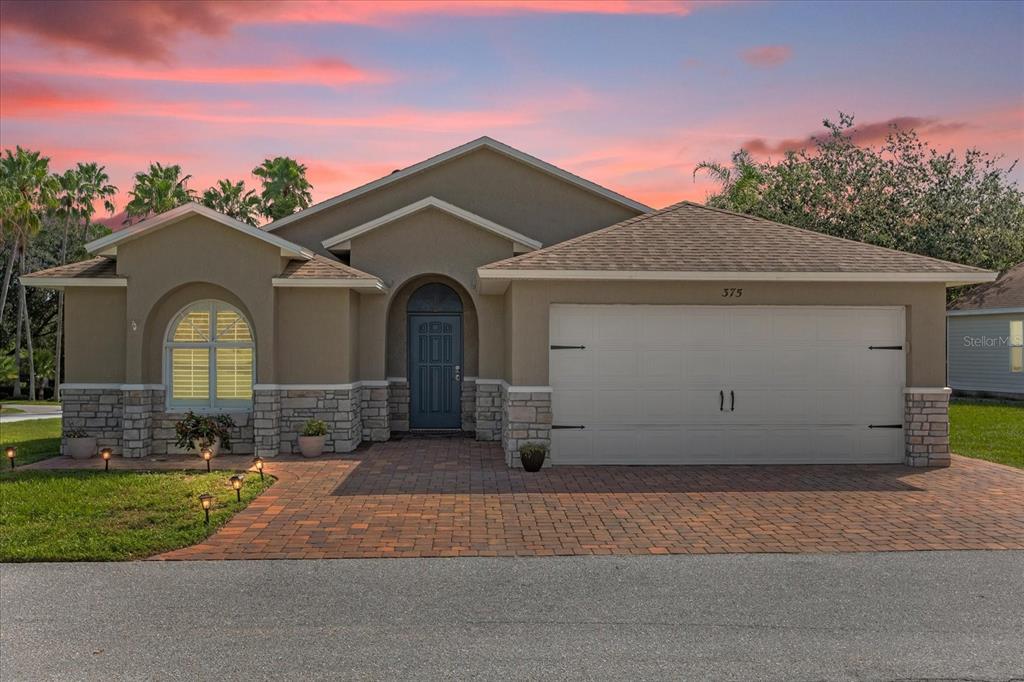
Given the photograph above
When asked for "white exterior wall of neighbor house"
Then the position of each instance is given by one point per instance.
(979, 352)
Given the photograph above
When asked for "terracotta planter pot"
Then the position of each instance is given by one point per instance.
(198, 447)
(312, 446)
(81, 448)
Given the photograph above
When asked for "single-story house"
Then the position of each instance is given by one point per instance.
(985, 339)
(484, 290)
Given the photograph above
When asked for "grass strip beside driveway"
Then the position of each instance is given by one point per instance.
(36, 439)
(111, 516)
(987, 430)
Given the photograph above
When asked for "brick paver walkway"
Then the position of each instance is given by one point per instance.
(456, 497)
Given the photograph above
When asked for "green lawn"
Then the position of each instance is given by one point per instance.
(10, 410)
(111, 516)
(987, 430)
(37, 439)
(20, 401)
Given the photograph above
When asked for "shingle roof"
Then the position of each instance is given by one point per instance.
(688, 237)
(320, 267)
(1005, 292)
(94, 268)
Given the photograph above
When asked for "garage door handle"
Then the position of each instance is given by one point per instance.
(885, 347)
(885, 426)
(567, 426)
(732, 401)
(721, 400)
(557, 347)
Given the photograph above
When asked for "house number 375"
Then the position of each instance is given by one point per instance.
(731, 292)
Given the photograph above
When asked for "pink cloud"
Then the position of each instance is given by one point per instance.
(326, 71)
(149, 30)
(146, 31)
(767, 56)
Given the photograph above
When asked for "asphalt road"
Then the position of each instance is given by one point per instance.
(938, 615)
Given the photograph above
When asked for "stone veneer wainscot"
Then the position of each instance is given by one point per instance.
(926, 426)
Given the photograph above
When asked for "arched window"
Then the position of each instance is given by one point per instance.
(208, 357)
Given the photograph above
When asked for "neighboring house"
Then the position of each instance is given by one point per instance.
(477, 291)
(985, 339)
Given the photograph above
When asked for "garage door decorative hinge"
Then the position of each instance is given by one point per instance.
(885, 426)
(556, 347)
(566, 426)
(885, 347)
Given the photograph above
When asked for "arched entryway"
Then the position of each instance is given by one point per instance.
(435, 357)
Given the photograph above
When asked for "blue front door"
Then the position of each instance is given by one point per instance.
(435, 371)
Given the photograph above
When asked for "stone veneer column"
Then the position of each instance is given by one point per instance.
(489, 408)
(926, 426)
(137, 423)
(97, 411)
(266, 422)
(526, 419)
(468, 404)
(375, 411)
(398, 404)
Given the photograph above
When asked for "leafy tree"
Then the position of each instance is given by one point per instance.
(285, 187)
(231, 198)
(160, 189)
(31, 190)
(903, 194)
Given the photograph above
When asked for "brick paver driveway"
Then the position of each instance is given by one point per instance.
(455, 497)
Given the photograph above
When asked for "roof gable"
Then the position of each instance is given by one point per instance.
(521, 241)
(107, 246)
(690, 241)
(1006, 293)
(462, 150)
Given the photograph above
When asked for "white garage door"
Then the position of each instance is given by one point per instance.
(726, 385)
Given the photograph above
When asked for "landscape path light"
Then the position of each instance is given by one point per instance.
(206, 499)
(105, 453)
(207, 455)
(11, 453)
(258, 463)
(236, 483)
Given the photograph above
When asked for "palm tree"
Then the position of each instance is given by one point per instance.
(159, 190)
(30, 189)
(741, 183)
(285, 187)
(80, 189)
(231, 198)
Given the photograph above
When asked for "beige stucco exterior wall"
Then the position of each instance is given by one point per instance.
(528, 304)
(484, 182)
(436, 243)
(188, 261)
(94, 333)
(315, 339)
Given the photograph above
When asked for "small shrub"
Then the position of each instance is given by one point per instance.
(314, 427)
(204, 430)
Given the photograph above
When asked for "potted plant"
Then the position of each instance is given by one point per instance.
(80, 445)
(196, 431)
(532, 455)
(314, 435)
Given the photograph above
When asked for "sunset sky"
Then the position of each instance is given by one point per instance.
(628, 94)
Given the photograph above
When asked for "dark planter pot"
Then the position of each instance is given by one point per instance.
(532, 461)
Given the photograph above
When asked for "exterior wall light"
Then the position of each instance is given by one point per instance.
(207, 456)
(206, 499)
(258, 463)
(105, 453)
(11, 453)
(236, 483)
